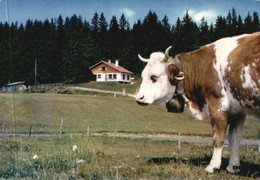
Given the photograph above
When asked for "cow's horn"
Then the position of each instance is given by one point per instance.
(143, 59)
(166, 57)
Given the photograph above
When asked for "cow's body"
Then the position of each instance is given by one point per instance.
(221, 86)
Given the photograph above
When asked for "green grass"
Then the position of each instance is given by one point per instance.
(105, 158)
(101, 114)
(113, 86)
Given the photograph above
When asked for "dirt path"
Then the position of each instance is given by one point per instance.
(154, 137)
(167, 137)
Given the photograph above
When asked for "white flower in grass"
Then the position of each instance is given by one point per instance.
(80, 161)
(75, 147)
(35, 157)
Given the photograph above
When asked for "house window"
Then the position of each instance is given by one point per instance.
(114, 76)
(103, 68)
(123, 76)
(99, 76)
(128, 77)
(110, 76)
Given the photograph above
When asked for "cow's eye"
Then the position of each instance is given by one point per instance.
(154, 78)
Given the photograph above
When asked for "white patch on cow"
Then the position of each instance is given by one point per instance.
(247, 81)
(223, 47)
(234, 137)
(246, 78)
(203, 115)
(194, 111)
(215, 161)
(253, 64)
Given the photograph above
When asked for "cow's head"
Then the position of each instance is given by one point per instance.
(159, 79)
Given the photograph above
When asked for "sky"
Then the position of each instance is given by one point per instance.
(22, 10)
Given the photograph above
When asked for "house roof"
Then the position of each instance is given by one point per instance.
(113, 65)
(14, 83)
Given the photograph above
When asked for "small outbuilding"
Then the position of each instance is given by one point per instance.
(107, 71)
(14, 87)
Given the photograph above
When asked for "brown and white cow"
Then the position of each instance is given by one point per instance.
(220, 84)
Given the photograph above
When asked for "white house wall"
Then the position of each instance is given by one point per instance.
(119, 77)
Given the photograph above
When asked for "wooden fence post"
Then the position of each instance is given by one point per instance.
(114, 136)
(61, 124)
(30, 130)
(3, 128)
(88, 132)
(179, 141)
(144, 141)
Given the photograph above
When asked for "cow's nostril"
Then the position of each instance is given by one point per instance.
(140, 101)
(141, 98)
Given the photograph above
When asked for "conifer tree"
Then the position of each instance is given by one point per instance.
(94, 23)
(240, 25)
(248, 24)
(256, 25)
(123, 23)
(220, 28)
(204, 32)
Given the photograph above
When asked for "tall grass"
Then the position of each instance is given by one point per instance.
(105, 158)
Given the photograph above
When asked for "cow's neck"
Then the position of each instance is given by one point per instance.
(195, 65)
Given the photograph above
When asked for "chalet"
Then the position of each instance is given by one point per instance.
(108, 71)
(14, 87)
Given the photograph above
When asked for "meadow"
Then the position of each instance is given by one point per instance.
(113, 86)
(76, 156)
(101, 113)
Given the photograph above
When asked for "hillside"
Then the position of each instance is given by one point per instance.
(113, 86)
(100, 113)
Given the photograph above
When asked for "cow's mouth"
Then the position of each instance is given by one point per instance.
(142, 103)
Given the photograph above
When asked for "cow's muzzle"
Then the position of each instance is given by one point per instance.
(139, 101)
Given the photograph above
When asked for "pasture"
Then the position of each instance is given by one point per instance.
(103, 157)
(101, 113)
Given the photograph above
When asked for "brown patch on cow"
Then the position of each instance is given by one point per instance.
(200, 76)
(219, 120)
(246, 54)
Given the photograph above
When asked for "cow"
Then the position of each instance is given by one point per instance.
(219, 83)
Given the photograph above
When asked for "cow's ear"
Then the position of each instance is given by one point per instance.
(175, 74)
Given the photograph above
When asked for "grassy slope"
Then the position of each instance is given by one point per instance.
(45, 111)
(112, 86)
